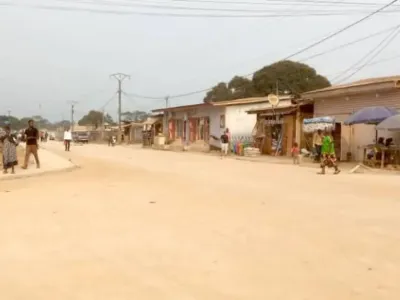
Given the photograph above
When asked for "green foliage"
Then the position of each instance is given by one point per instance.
(218, 93)
(241, 87)
(95, 118)
(292, 77)
(18, 124)
(287, 76)
(134, 116)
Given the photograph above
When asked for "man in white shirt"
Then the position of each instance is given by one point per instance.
(67, 139)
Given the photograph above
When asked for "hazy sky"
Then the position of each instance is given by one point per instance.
(50, 57)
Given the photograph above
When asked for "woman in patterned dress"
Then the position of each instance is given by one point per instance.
(9, 150)
(328, 157)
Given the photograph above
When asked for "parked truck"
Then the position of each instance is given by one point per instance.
(81, 137)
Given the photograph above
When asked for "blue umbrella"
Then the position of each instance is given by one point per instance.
(371, 115)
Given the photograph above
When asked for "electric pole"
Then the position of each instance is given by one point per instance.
(120, 77)
(73, 103)
(166, 101)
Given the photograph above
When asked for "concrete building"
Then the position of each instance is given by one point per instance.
(341, 101)
(193, 125)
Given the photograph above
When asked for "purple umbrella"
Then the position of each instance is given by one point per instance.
(371, 115)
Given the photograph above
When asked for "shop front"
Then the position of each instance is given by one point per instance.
(277, 129)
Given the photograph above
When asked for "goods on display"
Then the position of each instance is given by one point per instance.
(252, 152)
(322, 123)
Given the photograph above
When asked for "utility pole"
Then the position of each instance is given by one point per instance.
(166, 101)
(120, 77)
(166, 128)
(73, 103)
(9, 116)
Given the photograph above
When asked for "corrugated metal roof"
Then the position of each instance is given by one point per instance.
(279, 111)
(182, 107)
(282, 105)
(250, 100)
(151, 121)
(359, 83)
(241, 101)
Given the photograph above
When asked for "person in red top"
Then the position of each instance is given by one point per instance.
(296, 154)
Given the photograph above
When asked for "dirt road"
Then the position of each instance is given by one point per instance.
(141, 224)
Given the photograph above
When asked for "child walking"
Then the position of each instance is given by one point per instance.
(296, 154)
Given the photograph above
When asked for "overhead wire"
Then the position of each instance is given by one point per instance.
(158, 5)
(371, 55)
(365, 57)
(281, 2)
(182, 15)
(347, 27)
(108, 101)
(351, 43)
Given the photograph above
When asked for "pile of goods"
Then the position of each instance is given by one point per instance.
(251, 152)
(314, 124)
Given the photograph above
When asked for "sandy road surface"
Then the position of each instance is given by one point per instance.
(141, 224)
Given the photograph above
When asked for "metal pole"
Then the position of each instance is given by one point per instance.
(73, 103)
(119, 105)
(166, 102)
(120, 77)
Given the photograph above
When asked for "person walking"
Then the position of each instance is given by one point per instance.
(32, 137)
(224, 143)
(296, 154)
(9, 150)
(67, 139)
(317, 142)
(328, 157)
(228, 133)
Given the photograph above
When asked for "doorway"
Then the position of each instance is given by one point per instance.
(337, 138)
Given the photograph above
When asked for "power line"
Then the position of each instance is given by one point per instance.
(143, 97)
(302, 60)
(108, 102)
(180, 15)
(158, 5)
(362, 59)
(384, 44)
(306, 48)
(349, 43)
(280, 2)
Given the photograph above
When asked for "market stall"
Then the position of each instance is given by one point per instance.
(312, 125)
(372, 115)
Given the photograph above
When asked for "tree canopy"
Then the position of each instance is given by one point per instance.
(135, 116)
(17, 124)
(288, 77)
(95, 118)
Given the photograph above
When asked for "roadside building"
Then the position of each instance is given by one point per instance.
(278, 127)
(193, 125)
(341, 101)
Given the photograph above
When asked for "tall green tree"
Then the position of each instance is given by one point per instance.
(135, 116)
(220, 92)
(241, 87)
(95, 118)
(289, 77)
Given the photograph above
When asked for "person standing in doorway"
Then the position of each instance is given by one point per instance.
(317, 142)
(32, 137)
(224, 144)
(67, 139)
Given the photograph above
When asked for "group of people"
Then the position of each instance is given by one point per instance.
(324, 148)
(10, 142)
